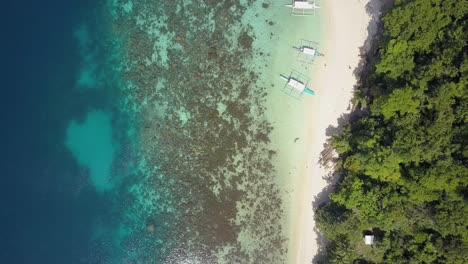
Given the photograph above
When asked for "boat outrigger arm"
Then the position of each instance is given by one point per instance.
(297, 85)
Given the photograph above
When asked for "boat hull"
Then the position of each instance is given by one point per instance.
(309, 91)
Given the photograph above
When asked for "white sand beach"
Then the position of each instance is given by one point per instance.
(345, 26)
(300, 127)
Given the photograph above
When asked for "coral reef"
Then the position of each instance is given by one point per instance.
(206, 188)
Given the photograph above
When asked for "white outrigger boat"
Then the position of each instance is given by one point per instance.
(307, 51)
(296, 85)
(303, 7)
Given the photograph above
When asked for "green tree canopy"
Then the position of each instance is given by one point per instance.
(404, 164)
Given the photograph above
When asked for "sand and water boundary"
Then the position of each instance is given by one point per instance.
(301, 128)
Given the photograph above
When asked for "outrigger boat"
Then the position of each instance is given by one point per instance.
(297, 86)
(303, 8)
(307, 51)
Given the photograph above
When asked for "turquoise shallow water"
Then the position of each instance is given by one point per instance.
(93, 146)
(204, 180)
(201, 186)
(142, 137)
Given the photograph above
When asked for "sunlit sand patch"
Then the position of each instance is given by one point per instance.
(92, 146)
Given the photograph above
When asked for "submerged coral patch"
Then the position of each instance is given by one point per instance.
(207, 192)
(88, 77)
(92, 145)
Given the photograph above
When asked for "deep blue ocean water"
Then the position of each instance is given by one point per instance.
(47, 204)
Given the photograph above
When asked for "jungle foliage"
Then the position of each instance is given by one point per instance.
(403, 164)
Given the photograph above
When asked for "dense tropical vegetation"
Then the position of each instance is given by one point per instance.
(403, 163)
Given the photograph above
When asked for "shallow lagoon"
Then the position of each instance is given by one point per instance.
(158, 142)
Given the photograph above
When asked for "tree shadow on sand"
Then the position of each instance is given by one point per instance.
(368, 54)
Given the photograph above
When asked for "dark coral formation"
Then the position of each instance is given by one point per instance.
(204, 131)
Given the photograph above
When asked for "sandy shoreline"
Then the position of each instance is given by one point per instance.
(345, 26)
(344, 31)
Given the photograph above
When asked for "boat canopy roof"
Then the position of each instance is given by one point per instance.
(296, 84)
(303, 5)
(308, 51)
